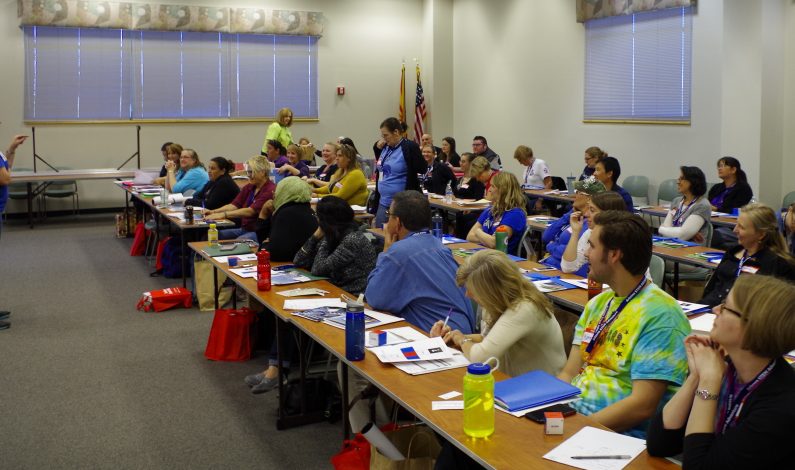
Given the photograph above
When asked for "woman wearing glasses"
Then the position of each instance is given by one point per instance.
(762, 250)
(592, 156)
(737, 406)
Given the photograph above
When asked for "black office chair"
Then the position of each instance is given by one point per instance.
(557, 208)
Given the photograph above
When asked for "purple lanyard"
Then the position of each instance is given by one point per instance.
(679, 212)
(251, 197)
(600, 327)
(742, 262)
(730, 411)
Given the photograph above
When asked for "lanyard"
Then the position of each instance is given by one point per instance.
(528, 173)
(680, 212)
(602, 325)
(389, 151)
(742, 262)
(730, 411)
(428, 173)
(251, 197)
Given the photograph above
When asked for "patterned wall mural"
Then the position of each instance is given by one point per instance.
(593, 9)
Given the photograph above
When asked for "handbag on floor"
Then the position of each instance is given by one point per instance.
(203, 272)
(416, 441)
(231, 335)
(138, 247)
(355, 454)
(164, 299)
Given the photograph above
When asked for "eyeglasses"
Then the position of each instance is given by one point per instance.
(723, 307)
(388, 213)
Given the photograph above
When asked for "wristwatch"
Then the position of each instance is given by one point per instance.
(705, 395)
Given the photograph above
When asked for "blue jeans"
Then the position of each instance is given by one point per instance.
(232, 233)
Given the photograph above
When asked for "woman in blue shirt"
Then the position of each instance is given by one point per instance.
(191, 173)
(507, 209)
(398, 164)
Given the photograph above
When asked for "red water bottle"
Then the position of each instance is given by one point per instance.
(263, 270)
(594, 288)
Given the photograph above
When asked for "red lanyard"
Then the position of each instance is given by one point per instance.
(730, 411)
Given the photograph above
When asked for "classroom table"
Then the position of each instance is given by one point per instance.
(662, 211)
(516, 442)
(455, 205)
(550, 195)
(682, 255)
(44, 178)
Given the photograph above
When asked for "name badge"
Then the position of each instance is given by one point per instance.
(568, 229)
(587, 335)
(338, 185)
(464, 186)
(750, 269)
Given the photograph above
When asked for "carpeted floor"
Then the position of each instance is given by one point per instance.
(86, 381)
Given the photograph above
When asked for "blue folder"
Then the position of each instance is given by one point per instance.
(532, 389)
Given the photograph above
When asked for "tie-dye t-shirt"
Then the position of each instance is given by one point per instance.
(645, 342)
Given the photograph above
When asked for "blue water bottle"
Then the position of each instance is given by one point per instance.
(354, 331)
(436, 223)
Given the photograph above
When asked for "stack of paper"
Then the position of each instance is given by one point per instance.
(552, 285)
(607, 450)
(479, 202)
(421, 356)
(690, 308)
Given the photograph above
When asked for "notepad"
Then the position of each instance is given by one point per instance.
(590, 441)
(533, 388)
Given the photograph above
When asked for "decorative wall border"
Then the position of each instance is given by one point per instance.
(593, 9)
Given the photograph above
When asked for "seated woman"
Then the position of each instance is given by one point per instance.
(507, 209)
(731, 193)
(482, 171)
(735, 410)
(337, 250)
(286, 221)
(467, 187)
(448, 154)
(518, 326)
(536, 173)
(366, 165)
(437, 175)
(276, 153)
(220, 190)
(574, 258)
(592, 156)
(294, 166)
(248, 203)
(557, 235)
(762, 250)
(690, 213)
(607, 171)
(170, 151)
(326, 171)
(191, 173)
(348, 182)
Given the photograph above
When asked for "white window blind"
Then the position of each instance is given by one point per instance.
(77, 74)
(637, 67)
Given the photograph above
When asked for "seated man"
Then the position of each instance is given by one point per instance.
(480, 148)
(628, 355)
(415, 275)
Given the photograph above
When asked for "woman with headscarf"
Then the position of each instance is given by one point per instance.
(286, 221)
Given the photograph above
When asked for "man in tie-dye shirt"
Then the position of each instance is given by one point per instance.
(628, 355)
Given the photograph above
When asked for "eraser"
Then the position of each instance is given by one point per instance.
(376, 338)
(553, 422)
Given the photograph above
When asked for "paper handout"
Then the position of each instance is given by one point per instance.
(592, 442)
(425, 350)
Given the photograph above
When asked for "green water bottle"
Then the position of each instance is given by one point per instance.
(501, 236)
(479, 400)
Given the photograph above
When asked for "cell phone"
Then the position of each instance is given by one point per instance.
(229, 247)
(538, 415)
(539, 270)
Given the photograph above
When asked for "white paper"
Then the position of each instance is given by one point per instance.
(303, 291)
(479, 202)
(240, 258)
(691, 307)
(447, 405)
(357, 208)
(524, 411)
(592, 441)
(427, 367)
(309, 304)
(548, 285)
(372, 319)
(424, 350)
(702, 323)
(583, 283)
(403, 334)
(449, 395)
(249, 272)
(173, 198)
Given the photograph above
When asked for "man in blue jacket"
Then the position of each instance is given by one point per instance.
(6, 164)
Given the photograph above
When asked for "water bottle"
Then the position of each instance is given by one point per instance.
(263, 270)
(479, 399)
(448, 194)
(212, 235)
(501, 237)
(436, 223)
(570, 184)
(354, 331)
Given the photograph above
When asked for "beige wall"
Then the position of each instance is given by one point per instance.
(363, 44)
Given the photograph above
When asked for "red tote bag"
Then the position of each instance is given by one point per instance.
(164, 299)
(355, 455)
(231, 335)
(138, 247)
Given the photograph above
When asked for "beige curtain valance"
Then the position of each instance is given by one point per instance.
(154, 16)
(593, 9)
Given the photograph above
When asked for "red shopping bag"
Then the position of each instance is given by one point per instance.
(231, 336)
(138, 247)
(164, 299)
(355, 454)
(159, 257)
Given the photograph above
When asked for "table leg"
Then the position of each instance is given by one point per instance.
(346, 408)
(30, 204)
(215, 285)
(184, 261)
(676, 280)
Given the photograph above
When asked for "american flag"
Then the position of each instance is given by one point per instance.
(419, 111)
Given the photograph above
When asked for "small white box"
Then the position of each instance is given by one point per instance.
(553, 422)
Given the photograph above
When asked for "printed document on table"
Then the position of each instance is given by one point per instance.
(595, 442)
(403, 334)
(424, 350)
(427, 367)
(240, 258)
(250, 271)
(372, 319)
(309, 304)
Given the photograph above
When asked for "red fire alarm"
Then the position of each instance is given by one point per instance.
(340, 90)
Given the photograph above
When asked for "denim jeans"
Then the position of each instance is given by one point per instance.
(232, 233)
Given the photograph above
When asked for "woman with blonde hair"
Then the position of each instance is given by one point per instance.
(518, 325)
(482, 171)
(593, 155)
(279, 130)
(294, 166)
(326, 171)
(762, 250)
(507, 210)
(735, 410)
(348, 182)
(248, 203)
